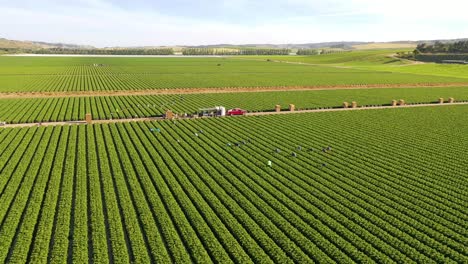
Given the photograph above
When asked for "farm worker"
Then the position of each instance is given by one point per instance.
(329, 148)
(299, 148)
(294, 154)
(277, 150)
(158, 130)
(196, 134)
(269, 163)
(151, 129)
(228, 144)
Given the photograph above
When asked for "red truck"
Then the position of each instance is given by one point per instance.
(236, 111)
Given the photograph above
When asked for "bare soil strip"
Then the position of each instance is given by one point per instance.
(221, 90)
(107, 121)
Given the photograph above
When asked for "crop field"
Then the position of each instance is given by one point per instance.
(377, 60)
(61, 74)
(377, 186)
(107, 107)
(351, 58)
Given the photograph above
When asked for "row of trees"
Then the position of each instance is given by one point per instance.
(319, 51)
(209, 51)
(439, 47)
(162, 51)
(308, 52)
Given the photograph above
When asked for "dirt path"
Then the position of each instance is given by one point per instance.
(409, 62)
(220, 90)
(107, 121)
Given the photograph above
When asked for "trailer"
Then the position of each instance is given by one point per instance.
(213, 111)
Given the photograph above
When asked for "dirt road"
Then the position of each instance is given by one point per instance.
(221, 90)
(107, 121)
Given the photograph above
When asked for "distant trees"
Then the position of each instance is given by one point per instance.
(159, 51)
(439, 47)
(241, 51)
(319, 51)
(308, 52)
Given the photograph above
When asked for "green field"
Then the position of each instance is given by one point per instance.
(381, 186)
(58, 74)
(377, 60)
(74, 108)
(393, 188)
(350, 58)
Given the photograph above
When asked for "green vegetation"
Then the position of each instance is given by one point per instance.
(234, 51)
(52, 74)
(448, 70)
(348, 58)
(453, 52)
(108, 51)
(391, 188)
(439, 47)
(107, 107)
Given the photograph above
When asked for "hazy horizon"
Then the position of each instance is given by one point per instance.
(107, 23)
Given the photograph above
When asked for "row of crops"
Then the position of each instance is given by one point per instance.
(104, 74)
(106, 107)
(381, 186)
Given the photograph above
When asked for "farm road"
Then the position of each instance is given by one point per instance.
(107, 121)
(15, 95)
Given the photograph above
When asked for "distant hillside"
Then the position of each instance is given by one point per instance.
(19, 46)
(33, 45)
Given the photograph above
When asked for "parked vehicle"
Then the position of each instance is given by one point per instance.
(236, 111)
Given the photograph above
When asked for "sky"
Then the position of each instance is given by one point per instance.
(106, 23)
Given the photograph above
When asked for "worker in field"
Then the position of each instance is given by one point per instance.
(294, 154)
(269, 163)
(277, 150)
(299, 148)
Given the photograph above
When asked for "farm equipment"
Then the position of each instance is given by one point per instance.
(215, 111)
(236, 111)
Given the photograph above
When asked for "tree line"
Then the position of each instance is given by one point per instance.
(161, 51)
(439, 47)
(318, 51)
(210, 51)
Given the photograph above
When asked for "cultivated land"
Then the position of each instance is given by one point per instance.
(106, 107)
(381, 186)
(32, 74)
(391, 189)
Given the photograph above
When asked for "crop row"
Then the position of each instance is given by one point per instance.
(106, 107)
(342, 187)
(111, 74)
